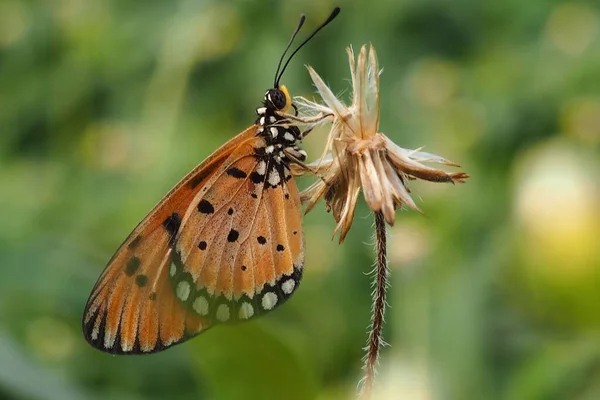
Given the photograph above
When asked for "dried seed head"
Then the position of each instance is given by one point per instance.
(357, 156)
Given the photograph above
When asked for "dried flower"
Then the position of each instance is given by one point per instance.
(356, 155)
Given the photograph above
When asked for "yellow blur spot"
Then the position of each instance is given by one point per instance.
(434, 82)
(558, 211)
(14, 22)
(458, 119)
(50, 338)
(572, 27)
(410, 376)
(108, 146)
(580, 118)
(409, 243)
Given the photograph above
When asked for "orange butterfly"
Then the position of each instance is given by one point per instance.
(225, 244)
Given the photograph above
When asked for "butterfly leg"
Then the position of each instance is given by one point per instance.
(301, 167)
(306, 132)
(311, 120)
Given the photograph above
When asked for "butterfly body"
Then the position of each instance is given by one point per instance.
(225, 244)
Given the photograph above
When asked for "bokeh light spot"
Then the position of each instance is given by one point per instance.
(558, 209)
(433, 82)
(14, 22)
(572, 27)
(409, 242)
(50, 338)
(580, 118)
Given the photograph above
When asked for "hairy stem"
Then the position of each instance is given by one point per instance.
(375, 334)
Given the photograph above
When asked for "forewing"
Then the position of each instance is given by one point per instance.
(133, 307)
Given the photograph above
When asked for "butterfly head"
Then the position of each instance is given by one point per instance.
(278, 98)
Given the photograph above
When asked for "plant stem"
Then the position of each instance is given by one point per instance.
(379, 303)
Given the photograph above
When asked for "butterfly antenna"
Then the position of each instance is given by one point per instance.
(278, 75)
(300, 23)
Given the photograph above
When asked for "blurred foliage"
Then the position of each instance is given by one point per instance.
(495, 291)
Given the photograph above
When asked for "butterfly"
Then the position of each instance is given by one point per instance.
(225, 244)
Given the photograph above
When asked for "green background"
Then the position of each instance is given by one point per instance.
(495, 292)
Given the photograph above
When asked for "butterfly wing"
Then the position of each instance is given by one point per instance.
(241, 255)
(198, 257)
(132, 307)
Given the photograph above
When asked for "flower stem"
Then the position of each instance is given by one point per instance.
(379, 303)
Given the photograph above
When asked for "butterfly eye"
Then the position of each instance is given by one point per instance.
(277, 98)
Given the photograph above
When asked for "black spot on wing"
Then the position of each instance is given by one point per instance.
(202, 245)
(255, 177)
(233, 235)
(205, 207)
(141, 280)
(135, 242)
(132, 266)
(202, 175)
(236, 173)
(261, 240)
(171, 225)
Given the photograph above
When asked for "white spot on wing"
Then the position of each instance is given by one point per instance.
(96, 330)
(289, 137)
(183, 290)
(274, 177)
(246, 311)
(109, 338)
(201, 305)
(274, 132)
(261, 168)
(222, 312)
(288, 286)
(261, 110)
(146, 347)
(262, 120)
(172, 269)
(269, 149)
(269, 301)
(125, 345)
